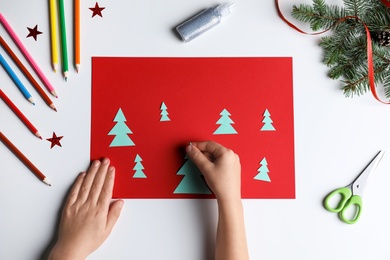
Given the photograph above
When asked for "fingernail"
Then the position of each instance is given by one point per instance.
(121, 203)
(189, 148)
(96, 164)
(106, 161)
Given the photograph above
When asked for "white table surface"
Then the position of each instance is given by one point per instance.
(335, 137)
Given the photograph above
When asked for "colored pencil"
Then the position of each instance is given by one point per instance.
(27, 74)
(16, 80)
(64, 47)
(53, 36)
(77, 33)
(27, 55)
(19, 114)
(24, 159)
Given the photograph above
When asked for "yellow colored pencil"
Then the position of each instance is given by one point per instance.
(53, 27)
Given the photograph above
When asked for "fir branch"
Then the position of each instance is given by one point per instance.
(356, 7)
(360, 86)
(345, 51)
(386, 84)
(320, 16)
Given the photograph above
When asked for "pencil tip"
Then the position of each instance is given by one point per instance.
(45, 181)
(66, 79)
(53, 92)
(38, 135)
(52, 106)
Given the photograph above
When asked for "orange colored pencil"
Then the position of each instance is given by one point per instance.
(19, 114)
(24, 159)
(77, 33)
(28, 74)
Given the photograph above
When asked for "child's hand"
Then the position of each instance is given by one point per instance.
(88, 217)
(221, 168)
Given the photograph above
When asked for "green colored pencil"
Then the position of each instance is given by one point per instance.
(65, 67)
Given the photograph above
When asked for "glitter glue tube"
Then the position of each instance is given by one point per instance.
(203, 21)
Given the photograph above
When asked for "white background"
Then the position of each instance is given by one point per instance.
(335, 137)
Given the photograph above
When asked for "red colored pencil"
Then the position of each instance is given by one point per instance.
(19, 114)
(24, 159)
(28, 74)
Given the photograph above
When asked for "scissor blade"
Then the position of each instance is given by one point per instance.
(360, 183)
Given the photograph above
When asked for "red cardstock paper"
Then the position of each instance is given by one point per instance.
(161, 104)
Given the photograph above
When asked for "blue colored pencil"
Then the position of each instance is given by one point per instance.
(16, 80)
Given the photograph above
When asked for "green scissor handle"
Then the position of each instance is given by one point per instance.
(346, 202)
(356, 202)
(345, 193)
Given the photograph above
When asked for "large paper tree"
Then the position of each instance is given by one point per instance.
(225, 123)
(192, 182)
(267, 122)
(121, 131)
(263, 171)
(138, 168)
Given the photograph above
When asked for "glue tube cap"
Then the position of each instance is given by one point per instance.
(224, 9)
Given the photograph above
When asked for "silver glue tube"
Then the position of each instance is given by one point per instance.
(203, 21)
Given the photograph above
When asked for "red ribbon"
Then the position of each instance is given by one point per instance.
(370, 63)
(386, 2)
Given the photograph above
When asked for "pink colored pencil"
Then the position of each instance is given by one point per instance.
(27, 55)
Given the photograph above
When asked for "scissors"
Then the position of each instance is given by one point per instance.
(351, 195)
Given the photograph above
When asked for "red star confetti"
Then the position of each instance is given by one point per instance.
(97, 10)
(33, 32)
(55, 140)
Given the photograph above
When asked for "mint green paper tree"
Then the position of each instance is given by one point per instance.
(138, 168)
(121, 131)
(164, 113)
(267, 122)
(225, 123)
(192, 182)
(263, 171)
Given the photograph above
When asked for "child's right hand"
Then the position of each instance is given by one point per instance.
(221, 168)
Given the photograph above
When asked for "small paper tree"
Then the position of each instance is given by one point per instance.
(164, 113)
(192, 182)
(267, 122)
(225, 123)
(138, 168)
(263, 171)
(120, 130)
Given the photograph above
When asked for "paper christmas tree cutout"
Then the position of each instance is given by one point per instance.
(164, 113)
(263, 171)
(138, 168)
(120, 130)
(267, 122)
(192, 182)
(225, 123)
